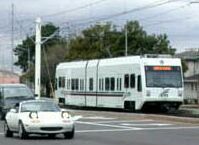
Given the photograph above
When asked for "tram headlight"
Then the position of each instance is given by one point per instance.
(148, 93)
(179, 93)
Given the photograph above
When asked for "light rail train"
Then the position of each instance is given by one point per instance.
(132, 83)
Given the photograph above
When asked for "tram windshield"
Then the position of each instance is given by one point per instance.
(163, 76)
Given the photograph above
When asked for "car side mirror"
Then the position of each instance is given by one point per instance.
(13, 110)
(64, 110)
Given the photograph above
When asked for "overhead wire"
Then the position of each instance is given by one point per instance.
(75, 9)
(107, 17)
(62, 12)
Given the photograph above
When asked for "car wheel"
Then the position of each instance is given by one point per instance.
(2, 116)
(69, 135)
(22, 133)
(7, 132)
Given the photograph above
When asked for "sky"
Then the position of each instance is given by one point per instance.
(179, 19)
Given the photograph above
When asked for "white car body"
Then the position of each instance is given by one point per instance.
(45, 123)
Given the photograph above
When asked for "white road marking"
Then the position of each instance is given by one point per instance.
(148, 124)
(141, 129)
(132, 129)
(172, 128)
(98, 117)
(104, 130)
(106, 125)
(120, 121)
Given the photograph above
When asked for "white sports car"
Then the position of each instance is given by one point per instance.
(38, 117)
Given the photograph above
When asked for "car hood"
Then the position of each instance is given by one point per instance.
(49, 115)
(45, 117)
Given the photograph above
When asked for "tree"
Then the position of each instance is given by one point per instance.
(93, 43)
(51, 53)
(51, 57)
(28, 45)
(100, 41)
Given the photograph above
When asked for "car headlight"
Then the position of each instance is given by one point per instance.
(33, 115)
(65, 115)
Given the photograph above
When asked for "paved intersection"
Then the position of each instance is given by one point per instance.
(99, 130)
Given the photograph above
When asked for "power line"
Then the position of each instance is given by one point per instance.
(148, 6)
(163, 13)
(167, 21)
(74, 9)
(62, 12)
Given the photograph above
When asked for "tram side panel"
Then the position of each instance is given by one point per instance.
(115, 86)
(91, 89)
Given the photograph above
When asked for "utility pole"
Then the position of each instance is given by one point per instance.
(28, 58)
(126, 39)
(38, 58)
(197, 79)
(12, 37)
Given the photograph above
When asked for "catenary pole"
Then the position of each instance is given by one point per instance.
(38, 58)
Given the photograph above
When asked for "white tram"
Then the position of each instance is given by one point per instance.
(133, 83)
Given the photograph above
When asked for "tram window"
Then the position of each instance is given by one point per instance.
(107, 82)
(63, 82)
(139, 83)
(91, 84)
(120, 84)
(82, 84)
(112, 84)
(73, 84)
(117, 84)
(77, 84)
(102, 84)
(132, 82)
(126, 81)
(59, 83)
(69, 85)
(66, 83)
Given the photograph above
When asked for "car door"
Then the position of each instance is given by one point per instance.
(10, 119)
(14, 118)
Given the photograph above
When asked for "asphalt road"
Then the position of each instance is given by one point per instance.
(92, 130)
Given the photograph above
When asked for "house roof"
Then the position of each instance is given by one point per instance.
(189, 55)
(7, 73)
(194, 78)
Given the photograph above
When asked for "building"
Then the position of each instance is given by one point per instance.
(191, 76)
(8, 77)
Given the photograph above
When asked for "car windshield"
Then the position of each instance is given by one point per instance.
(39, 107)
(14, 92)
